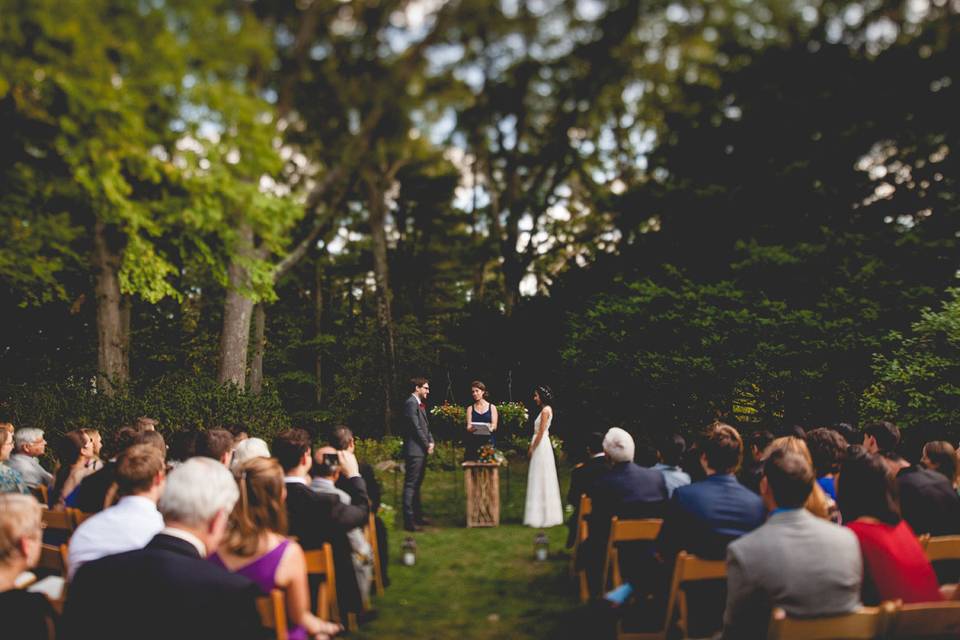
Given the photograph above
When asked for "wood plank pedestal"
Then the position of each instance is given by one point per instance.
(482, 481)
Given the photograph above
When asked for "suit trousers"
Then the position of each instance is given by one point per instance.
(415, 468)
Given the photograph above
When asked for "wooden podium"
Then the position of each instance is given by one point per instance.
(482, 481)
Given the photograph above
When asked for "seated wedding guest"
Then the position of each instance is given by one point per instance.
(183, 446)
(894, 564)
(818, 502)
(315, 518)
(704, 517)
(940, 456)
(75, 450)
(249, 449)
(582, 479)
(94, 463)
(10, 480)
(144, 423)
(23, 615)
(29, 444)
(216, 444)
(168, 589)
(326, 472)
(807, 566)
(342, 439)
(847, 432)
(150, 438)
(256, 547)
(827, 448)
(628, 491)
(881, 437)
(928, 501)
(134, 520)
(91, 495)
(670, 453)
(752, 470)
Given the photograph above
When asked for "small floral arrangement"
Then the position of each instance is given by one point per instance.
(513, 413)
(489, 455)
(452, 413)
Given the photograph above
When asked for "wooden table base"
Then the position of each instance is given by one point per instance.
(483, 493)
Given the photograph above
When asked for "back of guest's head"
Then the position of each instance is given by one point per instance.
(137, 468)
(827, 447)
(124, 438)
(260, 508)
(723, 448)
(866, 488)
(759, 439)
(25, 436)
(183, 445)
(289, 447)
(153, 439)
(671, 449)
(847, 432)
(618, 445)
(790, 478)
(70, 447)
(341, 438)
(214, 443)
(249, 449)
(885, 433)
(940, 456)
(196, 491)
(793, 445)
(145, 423)
(786, 430)
(595, 442)
(20, 517)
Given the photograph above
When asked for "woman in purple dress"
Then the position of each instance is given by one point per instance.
(255, 546)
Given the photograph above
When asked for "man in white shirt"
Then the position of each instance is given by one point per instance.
(29, 444)
(134, 520)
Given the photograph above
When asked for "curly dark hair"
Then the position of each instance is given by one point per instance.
(827, 448)
(545, 393)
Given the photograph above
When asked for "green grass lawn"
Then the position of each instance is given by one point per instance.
(474, 583)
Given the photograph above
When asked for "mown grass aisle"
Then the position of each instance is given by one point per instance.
(474, 583)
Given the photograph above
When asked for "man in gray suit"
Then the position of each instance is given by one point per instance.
(808, 566)
(417, 445)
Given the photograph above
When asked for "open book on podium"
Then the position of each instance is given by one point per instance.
(481, 428)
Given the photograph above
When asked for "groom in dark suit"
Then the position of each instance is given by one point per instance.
(417, 445)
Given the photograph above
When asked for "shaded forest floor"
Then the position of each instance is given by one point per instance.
(474, 583)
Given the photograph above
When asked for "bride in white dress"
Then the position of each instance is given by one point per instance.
(543, 507)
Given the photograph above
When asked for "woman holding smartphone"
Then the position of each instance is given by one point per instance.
(481, 420)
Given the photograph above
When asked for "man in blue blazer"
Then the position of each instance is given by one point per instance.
(417, 445)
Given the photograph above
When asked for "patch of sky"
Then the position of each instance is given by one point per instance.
(471, 75)
(508, 128)
(677, 13)
(589, 9)
(319, 51)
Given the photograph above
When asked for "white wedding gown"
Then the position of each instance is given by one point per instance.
(543, 508)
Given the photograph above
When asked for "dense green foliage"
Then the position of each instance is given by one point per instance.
(736, 210)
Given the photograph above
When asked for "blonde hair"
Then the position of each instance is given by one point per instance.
(817, 503)
(19, 518)
(260, 508)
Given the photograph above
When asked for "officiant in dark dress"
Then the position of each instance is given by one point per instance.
(481, 421)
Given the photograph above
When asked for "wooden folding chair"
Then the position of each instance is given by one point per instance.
(273, 613)
(320, 563)
(625, 531)
(583, 532)
(940, 548)
(53, 560)
(864, 624)
(59, 520)
(687, 568)
(79, 517)
(925, 620)
(375, 552)
(41, 493)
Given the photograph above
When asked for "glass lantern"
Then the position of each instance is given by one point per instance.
(541, 547)
(409, 552)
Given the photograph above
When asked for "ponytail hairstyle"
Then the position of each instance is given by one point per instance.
(260, 508)
(476, 384)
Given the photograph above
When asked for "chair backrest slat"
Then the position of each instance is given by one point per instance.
(863, 624)
(273, 613)
(926, 620)
(943, 548)
(320, 563)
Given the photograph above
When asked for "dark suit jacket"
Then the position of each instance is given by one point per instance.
(93, 489)
(416, 432)
(928, 502)
(627, 491)
(370, 482)
(581, 481)
(165, 590)
(315, 518)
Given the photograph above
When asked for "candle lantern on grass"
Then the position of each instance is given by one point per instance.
(409, 552)
(541, 546)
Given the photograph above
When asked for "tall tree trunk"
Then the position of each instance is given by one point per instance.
(259, 345)
(113, 324)
(378, 236)
(237, 312)
(318, 302)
